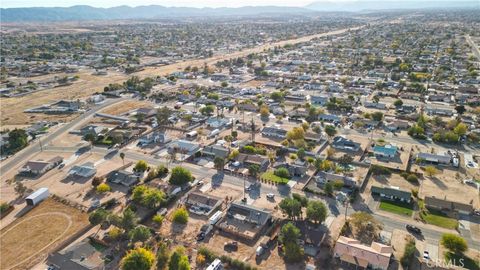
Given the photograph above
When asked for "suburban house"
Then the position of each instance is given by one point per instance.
(297, 168)
(376, 105)
(216, 151)
(85, 170)
(274, 132)
(154, 137)
(78, 256)
(329, 118)
(122, 177)
(436, 110)
(392, 193)
(95, 130)
(385, 151)
(183, 146)
(319, 100)
(434, 158)
(325, 177)
(352, 252)
(202, 204)
(219, 77)
(447, 206)
(215, 122)
(40, 167)
(394, 124)
(245, 221)
(244, 160)
(342, 143)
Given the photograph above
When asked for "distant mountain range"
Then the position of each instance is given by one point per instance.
(79, 13)
(353, 6)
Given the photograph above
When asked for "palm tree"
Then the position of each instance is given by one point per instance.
(122, 156)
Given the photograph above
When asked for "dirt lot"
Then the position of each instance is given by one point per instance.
(30, 238)
(127, 106)
(56, 180)
(448, 183)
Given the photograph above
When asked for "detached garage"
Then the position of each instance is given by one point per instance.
(37, 196)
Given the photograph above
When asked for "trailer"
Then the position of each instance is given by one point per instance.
(215, 218)
(38, 196)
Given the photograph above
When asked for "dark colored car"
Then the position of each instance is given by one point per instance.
(413, 229)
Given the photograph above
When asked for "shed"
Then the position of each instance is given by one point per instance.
(37, 196)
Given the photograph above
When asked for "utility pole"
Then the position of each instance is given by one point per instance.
(41, 147)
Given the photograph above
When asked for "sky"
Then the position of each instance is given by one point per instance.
(178, 3)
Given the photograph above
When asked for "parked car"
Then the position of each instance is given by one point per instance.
(426, 255)
(413, 229)
(270, 196)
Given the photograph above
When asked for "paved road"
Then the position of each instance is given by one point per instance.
(34, 147)
(475, 49)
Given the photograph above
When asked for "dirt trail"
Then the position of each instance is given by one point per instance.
(12, 108)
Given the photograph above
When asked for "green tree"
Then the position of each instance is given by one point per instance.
(17, 140)
(377, 116)
(365, 226)
(330, 130)
(328, 188)
(163, 115)
(291, 207)
(163, 255)
(180, 176)
(219, 163)
(139, 234)
(460, 109)
(460, 129)
(178, 260)
(454, 243)
(289, 234)
(20, 189)
(408, 253)
(282, 172)
(207, 110)
(180, 215)
(140, 166)
(316, 211)
(398, 103)
(253, 170)
(128, 220)
(297, 133)
(301, 153)
(98, 216)
(122, 156)
(138, 259)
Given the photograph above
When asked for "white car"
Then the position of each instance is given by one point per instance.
(270, 195)
(426, 255)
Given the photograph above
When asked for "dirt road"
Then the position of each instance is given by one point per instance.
(12, 108)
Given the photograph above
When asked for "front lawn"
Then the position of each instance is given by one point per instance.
(399, 208)
(271, 177)
(439, 219)
(462, 260)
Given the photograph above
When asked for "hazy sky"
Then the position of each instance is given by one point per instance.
(184, 3)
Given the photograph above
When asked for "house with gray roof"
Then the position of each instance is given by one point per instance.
(274, 132)
(122, 177)
(78, 256)
(342, 143)
(216, 151)
(434, 158)
(392, 193)
(85, 170)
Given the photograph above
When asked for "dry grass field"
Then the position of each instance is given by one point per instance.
(30, 238)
